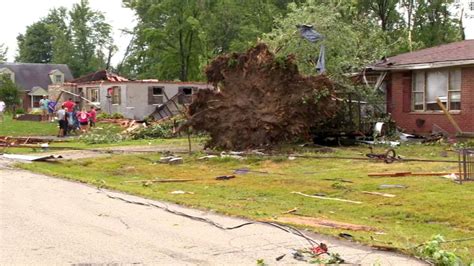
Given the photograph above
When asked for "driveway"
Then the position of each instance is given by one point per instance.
(46, 220)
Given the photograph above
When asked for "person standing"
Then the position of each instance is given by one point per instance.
(69, 105)
(83, 117)
(44, 106)
(92, 117)
(2, 110)
(61, 113)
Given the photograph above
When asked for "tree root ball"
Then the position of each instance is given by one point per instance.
(261, 100)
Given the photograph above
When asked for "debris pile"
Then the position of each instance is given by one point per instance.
(261, 100)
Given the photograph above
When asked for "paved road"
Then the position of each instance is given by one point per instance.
(45, 220)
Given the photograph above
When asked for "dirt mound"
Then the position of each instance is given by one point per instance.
(262, 100)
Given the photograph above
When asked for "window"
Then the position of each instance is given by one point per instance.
(56, 76)
(92, 94)
(444, 84)
(58, 79)
(155, 95)
(116, 95)
(186, 94)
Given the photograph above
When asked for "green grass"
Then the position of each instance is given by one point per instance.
(427, 207)
(12, 127)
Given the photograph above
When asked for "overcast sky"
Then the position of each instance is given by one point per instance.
(17, 14)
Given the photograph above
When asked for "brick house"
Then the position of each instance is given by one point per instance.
(413, 81)
(33, 80)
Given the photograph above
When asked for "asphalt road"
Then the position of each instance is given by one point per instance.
(45, 220)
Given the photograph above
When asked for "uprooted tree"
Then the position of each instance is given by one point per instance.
(261, 100)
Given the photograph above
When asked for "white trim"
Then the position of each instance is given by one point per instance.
(425, 65)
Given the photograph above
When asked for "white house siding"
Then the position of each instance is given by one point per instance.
(134, 96)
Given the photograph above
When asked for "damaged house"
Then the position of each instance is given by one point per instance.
(414, 81)
(134, 99)
(33, 80)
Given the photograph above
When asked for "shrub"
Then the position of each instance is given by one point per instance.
(165, 129)
(102, 136)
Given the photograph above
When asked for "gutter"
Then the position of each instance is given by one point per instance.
(423, 65)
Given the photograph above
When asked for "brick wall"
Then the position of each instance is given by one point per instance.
(400, 105)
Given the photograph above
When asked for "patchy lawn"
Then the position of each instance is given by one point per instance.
(12, 127)
(426, 207)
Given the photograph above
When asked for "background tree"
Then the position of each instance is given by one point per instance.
(176, 39)
(349, 45)
(79, 37)
(3, 53)
(9, 93)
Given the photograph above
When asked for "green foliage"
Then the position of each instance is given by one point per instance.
(79, 37)
(166, 129)
(110, 116)
(433, 252)
(3, 53)
(9, 92)
(175, 39)
(103, 135)
(349, 44)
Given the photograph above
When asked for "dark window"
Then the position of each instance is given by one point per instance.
(186, 96)
(155, 95)
(157, 91)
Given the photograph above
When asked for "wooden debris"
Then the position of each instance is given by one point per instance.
(291, 211)
(379, 194)
(160, 181)
(326, 198)
(319, 222)
(395, 174)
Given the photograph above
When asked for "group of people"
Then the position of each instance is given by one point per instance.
(71, 118)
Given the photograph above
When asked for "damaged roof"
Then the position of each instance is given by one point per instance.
(30, 75)
(102, 75)
(452, 54)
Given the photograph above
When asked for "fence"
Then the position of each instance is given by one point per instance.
(466, 165)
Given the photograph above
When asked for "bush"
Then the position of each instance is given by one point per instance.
(104, 135)
(103, 116)
(20, 111)
(165, 129)
(117, 116)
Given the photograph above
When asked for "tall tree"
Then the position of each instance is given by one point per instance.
(350, 44)
(434, 23)
(91, 34)
(79, 37)
(174, 39)
(3, 53)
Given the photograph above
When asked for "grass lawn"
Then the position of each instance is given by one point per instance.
(426, 207)
(12, 127)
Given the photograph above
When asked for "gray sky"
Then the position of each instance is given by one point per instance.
(17, 14)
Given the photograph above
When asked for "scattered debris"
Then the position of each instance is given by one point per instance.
(160, 181)
(397, 174)
(388, 157)
(225, 177)
(295, 209)
(171, 160)
(243, 171)
(207, 157)
(346, 236)
(451, 176)
(31, 158)
(392, 186)
(379, 194)
(338, 179)
(177, 192)
(261, 100)
(326, 198)
(280, 257)
(319, 222)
